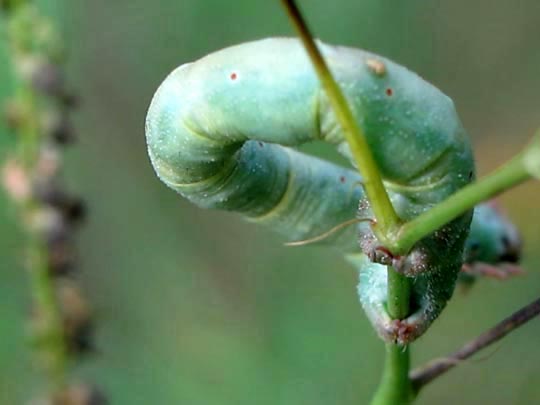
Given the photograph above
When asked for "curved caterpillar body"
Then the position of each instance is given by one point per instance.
(219, 131)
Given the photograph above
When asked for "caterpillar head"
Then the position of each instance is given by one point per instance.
(493, 239)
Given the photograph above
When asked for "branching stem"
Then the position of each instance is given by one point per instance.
(395, 384)
(507, 176)
(399, 238)
(425, 374)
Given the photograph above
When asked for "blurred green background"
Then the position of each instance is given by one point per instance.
(198, 307)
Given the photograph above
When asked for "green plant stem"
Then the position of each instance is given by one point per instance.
(387, 219)
(399, 290)
(48, 331)
(49, 337)
(395, 387)
(509, 175)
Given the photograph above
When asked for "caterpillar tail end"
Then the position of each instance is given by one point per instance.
(372, 291)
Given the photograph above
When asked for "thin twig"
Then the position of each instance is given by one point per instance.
(385, 215)
(425, 374)
(395, 385)
(38, 116)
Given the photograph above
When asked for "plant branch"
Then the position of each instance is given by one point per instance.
(520, 168)
(19, 174)
(425, 374)
(387, 219)
(395, 386)
(38, 115)
(399, 292)
(48, 327)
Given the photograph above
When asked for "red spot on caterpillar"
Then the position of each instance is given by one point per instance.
(233, 76)
(389, 91)
(342, 179)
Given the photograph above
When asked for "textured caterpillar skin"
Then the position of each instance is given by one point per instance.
(493, 244)
(493, 240)
(218, 132)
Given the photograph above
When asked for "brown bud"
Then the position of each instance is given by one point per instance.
(61, 258)
(13, 115)
(47, 191)
(58, 127)
(48, 163)
(71, 207)
(77, 318)
(75, 210)
(48, 79)
(80, 394)
(70, 100)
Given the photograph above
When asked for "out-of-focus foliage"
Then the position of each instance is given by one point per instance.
(197, 307)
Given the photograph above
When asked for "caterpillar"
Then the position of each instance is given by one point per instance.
(220, 131)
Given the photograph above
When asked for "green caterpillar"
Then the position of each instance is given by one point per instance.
(219, 132)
